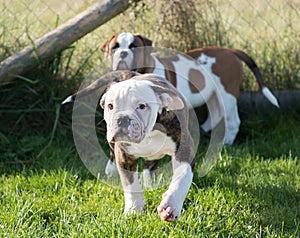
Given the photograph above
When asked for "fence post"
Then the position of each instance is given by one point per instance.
(58, 39)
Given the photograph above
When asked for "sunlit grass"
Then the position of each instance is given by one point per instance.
(251, 191)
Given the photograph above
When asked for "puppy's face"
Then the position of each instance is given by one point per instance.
(127, 51)
(131, 108)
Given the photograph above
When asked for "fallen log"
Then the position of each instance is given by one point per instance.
(60, 38)
(256, 103)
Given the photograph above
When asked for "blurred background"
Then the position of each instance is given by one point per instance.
(29, 105)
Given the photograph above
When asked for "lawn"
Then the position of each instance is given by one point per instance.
(253, 190)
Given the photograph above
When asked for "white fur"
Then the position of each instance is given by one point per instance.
(124, 40)
(173, 198)
(133, 194)
(159, 68)
(206, 61)
(155, 145)
(67, 100)
(270, 96)
(111, 169)
(130, 94)
(147, 178)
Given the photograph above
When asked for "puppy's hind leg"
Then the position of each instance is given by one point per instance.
(150, 167)
(232, 119)
(215, 113)
(111, 169)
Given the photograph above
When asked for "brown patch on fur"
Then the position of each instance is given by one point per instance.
(169, 68)
(228, 67)
(143, 40)
(108, 45)
(196, 81)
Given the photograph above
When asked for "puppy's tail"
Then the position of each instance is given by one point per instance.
(255, 70)
(104, 81)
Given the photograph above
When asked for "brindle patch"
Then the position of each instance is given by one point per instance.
(167, 122)
(196, 81)
(174, 124)
(127, 164)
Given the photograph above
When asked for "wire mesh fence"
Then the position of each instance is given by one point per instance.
(267, 30)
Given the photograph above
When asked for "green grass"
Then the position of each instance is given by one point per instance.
(253, 191)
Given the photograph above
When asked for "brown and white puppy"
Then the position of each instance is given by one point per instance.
(187, 73)
(147, 117)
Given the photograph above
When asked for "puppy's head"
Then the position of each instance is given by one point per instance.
(127, 51)
(131, 108)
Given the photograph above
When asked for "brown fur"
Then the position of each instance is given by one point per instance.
(228, 67)
(196, 81)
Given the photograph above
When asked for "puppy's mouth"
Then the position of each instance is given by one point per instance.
(122, 65)
(122, 136)
(125, 129)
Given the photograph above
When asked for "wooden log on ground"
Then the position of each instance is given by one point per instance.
(60, 38)
(255, 103)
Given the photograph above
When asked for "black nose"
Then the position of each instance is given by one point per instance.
(123, 121)
(123, 54)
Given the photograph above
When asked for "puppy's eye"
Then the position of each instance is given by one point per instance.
(142, 106)
(116, 46)
(110, 106)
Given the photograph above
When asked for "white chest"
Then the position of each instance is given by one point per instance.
(153, 147)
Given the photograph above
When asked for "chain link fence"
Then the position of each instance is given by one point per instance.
(267, 30)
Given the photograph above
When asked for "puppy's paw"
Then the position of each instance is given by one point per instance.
(167, 213)
(169, 209)
(134, 211)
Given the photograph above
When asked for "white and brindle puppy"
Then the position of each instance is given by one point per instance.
(146, 117)
(224, 65)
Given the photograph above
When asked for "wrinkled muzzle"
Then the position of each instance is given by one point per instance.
(125, 128)
(123, 60)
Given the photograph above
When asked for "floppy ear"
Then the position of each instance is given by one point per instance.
(168, 98)
(105, 46)
(145, 40)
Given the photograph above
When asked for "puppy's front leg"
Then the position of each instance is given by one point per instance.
(128, 171)
(171, 204)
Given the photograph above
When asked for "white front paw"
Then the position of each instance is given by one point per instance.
(134, 203)
(133, 210)
(169, 208)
